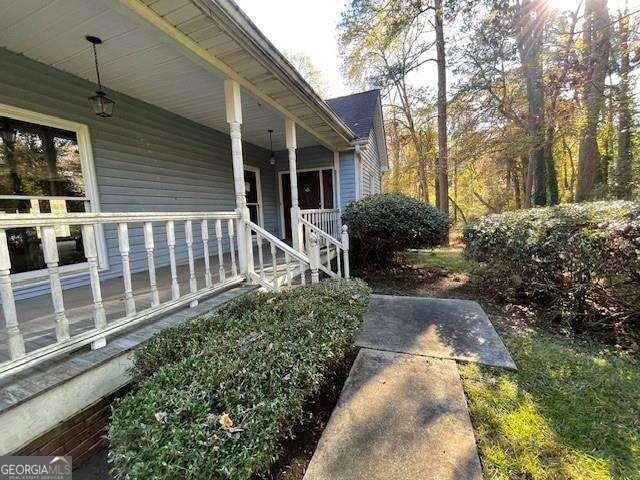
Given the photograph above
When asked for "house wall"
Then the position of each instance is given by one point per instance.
(347, 179)
(370, 166)
(146, 159)
(320, 157)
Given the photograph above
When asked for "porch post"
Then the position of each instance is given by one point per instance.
(336, 182)
(234, 118)
(290, 134)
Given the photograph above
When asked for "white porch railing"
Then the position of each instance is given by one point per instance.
(65, 341)
(327, 220)
(284, 269)
(327, 247)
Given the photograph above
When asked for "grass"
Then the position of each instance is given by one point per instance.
(571, 411)
(449, 259)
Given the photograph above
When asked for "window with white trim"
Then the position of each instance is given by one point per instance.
(41, 172)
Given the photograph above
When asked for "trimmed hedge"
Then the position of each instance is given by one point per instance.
(387, 223)
(581, 261)
(216, 396)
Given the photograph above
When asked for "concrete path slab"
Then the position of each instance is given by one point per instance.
(442, 328)
(399, 417)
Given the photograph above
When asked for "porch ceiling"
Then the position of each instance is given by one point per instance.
(174, 54)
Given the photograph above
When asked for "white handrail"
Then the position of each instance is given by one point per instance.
(19, 220)
(325, 219)
(89, 222)
(295, 263)
(341, 248)
(279, 243)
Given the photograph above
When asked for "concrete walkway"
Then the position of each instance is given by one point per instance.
(402, 414)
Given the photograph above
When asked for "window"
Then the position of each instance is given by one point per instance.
(253, 194)
(42, 171)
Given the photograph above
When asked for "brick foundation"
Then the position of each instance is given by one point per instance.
(80, 436)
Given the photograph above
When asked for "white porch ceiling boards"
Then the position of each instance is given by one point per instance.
(140, 60)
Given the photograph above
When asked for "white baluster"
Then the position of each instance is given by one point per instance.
(205, 246)
(123, 244)
(328, 252)
(345, 245)
(193, 283)
(314, 257)
(339, 260)
(274, 264)
(232, 249)
(50, 248)
(220, 252)
(91, 254)
(149, 246)
(260, 254)
(16, 342)
(287, 261)
(171, 244)
(303, 273)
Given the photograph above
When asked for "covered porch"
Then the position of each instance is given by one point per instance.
(108, 223)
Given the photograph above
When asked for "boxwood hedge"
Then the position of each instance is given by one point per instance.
(580, 261)
(387, 223)
(215, 397)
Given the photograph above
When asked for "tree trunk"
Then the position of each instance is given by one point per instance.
(395, 152)
(597, 45)
(530, 33)
(443, 174)
(623, 184)
(553, 197)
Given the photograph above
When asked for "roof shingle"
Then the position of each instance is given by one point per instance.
(357, 110)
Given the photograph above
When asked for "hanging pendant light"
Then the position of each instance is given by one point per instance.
(7, 132)
(272, 156)
(102, 105)
(9, 135)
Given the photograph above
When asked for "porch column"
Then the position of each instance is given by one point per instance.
(290, 134)
(336, 182)
(234, 118)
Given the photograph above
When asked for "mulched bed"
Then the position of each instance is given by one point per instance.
(297, 452)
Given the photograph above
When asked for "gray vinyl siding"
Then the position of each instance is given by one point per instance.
(146, 159)
(347, 179)
(371, 166)
(307, 158)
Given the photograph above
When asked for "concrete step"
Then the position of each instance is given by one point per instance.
(399, 417)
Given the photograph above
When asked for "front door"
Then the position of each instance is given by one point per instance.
(312, 187)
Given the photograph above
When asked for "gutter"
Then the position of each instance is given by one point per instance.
(227, 13)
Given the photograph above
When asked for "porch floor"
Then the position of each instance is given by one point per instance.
(37, 321)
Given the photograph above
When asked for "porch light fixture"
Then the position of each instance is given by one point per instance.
(8, 135)
(272, 156)
(102, 105)
(7, 132)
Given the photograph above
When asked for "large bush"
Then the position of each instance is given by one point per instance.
(385, 224)
(215, 397)
(581, 261)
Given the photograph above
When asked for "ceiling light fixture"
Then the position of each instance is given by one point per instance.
(102, 105)
(272, 157)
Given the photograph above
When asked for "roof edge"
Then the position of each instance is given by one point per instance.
(286, 72)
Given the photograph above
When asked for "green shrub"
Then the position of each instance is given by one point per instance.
(385, 224)
(258, 360)
(581, 261)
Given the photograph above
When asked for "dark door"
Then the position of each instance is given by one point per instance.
(308, 195)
